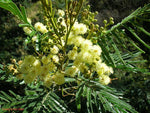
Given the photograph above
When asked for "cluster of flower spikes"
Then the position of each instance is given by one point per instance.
(84, 55)
(43, 68)
(38, 26)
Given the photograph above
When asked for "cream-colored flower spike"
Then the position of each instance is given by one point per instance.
(71, 71)
(54, 50)
(79, 28)
(104, 79)
(48, 81)
(59, 78)
(27, 30)
(40, 27)
(55, 58)
(61, 13)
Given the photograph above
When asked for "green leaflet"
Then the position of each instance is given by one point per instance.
(3, 98)
(24, 13)
(114, 100)
(106, 104)
(12, 7)
(24, 25)
(89, 101)
(67, 80)
(143, 30)
(106, 53)
(78, 97)
(137, 37)
(117, 52)
(6, 96)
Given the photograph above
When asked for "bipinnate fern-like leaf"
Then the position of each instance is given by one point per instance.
(43, 102)
(101, 99)
(115, 42)
(12, 7)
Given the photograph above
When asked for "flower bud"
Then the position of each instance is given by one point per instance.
(105, 21)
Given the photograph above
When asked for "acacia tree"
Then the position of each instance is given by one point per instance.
(73, 57)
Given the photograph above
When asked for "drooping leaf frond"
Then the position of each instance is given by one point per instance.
(47, 102)
(115, 42)
(101, 99)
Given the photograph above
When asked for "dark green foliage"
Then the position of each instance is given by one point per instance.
(136, 89)
(114, 41)
(100, 98)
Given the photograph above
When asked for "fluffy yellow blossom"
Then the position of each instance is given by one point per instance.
(61, 13)
(52, 66)
(29, 78)
(54, 50)
(24, 68)
(95, 50)
(71, 39)
(86, 45)
(109, 71)
(83, 67)
(102, 68)
(77, 62)
(45, 60)
(79, 28)
(71, 71)
(59, 78)
(45, 68)
(27, 30)
(29, 59)
(78, 40)
(40, 27)
(75, 28)
(72, 54)
(55, 58)
(34, 38)
(48, 81)
(104, 79)
(82, 28)
(86, 57)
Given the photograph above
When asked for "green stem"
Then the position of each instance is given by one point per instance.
(48, 11)
(71, 24)
(125, 20)
(66, 3)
